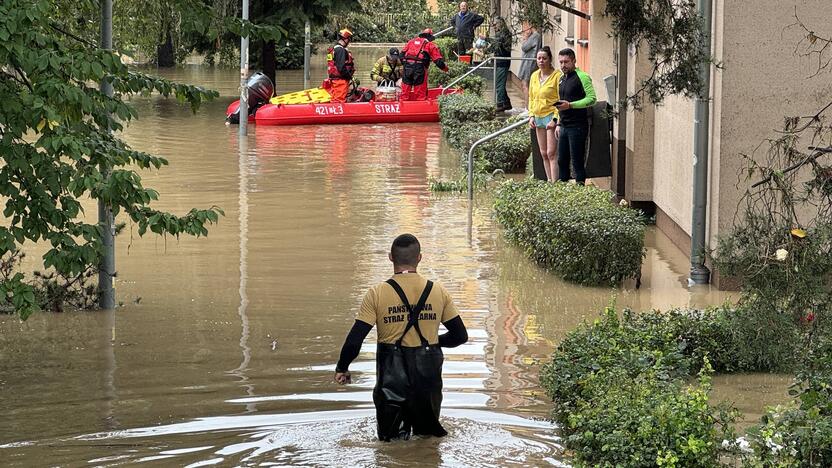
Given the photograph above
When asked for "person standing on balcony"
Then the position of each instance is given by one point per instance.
(464, 23)
(340, 66)
(576, 94)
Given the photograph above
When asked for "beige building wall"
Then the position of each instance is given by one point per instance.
(639, 136)
(762, 81)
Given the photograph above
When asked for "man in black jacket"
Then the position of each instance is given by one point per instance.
(464, 24)
(408, 392)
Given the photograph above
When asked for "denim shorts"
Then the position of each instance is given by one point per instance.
(542, 122)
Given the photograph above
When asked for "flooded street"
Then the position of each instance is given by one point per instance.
(224, 349)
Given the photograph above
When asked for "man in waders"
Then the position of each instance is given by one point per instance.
(407, 309)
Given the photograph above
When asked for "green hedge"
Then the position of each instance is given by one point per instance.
(466, 119)
(472, 84)
(456, 109)
(624, 397)
(573, 229)
(799, 433)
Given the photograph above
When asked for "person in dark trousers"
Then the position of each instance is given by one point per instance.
(464, 23)
(407, 309)
(502, 48)
(575, 95)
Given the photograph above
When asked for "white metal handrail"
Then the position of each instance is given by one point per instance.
(524, 121)
(494, 69)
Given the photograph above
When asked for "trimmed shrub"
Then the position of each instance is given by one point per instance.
(472, 84)
(799, 434)
(622, 396)
(447, 46)
(457, 109)
(508, 152)
(573, 229)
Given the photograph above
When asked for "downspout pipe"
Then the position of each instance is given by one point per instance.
(699, 273)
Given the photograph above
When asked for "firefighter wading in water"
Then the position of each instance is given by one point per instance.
(407, 309)
(416, 57)
(340, 66)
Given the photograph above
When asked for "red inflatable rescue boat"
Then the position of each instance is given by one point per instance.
(348, 112)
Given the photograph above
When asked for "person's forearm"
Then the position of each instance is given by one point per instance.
(352, 345)
(456, 335)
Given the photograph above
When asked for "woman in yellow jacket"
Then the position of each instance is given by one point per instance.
(543, 116)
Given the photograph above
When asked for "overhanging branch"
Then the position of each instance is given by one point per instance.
(567, 9)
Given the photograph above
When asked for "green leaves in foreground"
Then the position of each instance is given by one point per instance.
(56, 145)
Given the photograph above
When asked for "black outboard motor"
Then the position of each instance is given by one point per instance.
(260, 90)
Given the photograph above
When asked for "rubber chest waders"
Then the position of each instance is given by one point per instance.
(408, 392)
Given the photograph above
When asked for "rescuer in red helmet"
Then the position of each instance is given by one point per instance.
(340, 66)
(416, 56)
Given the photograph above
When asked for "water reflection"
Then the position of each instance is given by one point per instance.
(270, 294)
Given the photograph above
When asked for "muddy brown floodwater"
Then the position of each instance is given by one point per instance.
(223, 351)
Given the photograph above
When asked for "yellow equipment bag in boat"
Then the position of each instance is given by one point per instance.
(306, 96)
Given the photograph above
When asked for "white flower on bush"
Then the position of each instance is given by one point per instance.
(781, 255)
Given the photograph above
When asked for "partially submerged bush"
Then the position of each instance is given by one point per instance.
(573, 229)
(508, 152)
(622, 397)
(799, 433)
(457, 109)
(472, 84)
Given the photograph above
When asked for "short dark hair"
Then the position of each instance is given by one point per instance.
(567, 52)
(405, 250)
(546, 50)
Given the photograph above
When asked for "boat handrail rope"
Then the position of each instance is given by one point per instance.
(524, 121)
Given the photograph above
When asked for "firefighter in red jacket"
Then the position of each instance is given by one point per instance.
(416, 57)
(340, 66)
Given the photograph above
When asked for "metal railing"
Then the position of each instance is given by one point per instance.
(481, 65)
(524, 121)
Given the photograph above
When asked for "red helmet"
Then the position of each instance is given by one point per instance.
(345, 33)
(427, 33)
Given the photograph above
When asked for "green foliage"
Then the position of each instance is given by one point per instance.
(382, 21)
(447, 46)
(56, 145)
(466, 119)
(573, 229)
(472, 84)
(508, 152)
(673, 32)
(456, 109)
(622, 397)
(799, 434)
(531, 12)
(781, 243)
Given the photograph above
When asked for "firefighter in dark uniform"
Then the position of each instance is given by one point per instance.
(340, 67)
(407, 309)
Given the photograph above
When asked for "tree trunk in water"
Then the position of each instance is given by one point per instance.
(164, 52)
(267, 60)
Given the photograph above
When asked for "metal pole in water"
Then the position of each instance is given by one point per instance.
(107, 264)
(243, 76)
(307, 53)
